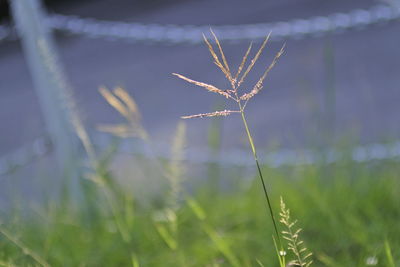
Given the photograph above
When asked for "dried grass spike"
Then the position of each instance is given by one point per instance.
(247, 96)
(259, 85)
(128, 101)
(127, 107)
(254, 60)
(211, 114)
(222, 53)
(243, 61)
(209, 87)
(216, 58)
(114, 102)
(120, 130)
(176, 168)
(124, 130)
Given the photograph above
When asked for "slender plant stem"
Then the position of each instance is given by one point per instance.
(24, 249)
(253, 148)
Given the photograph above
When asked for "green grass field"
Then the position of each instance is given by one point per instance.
(349, 213)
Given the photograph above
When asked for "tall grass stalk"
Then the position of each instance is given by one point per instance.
(25, 250)
(260, 175)
(236, 80)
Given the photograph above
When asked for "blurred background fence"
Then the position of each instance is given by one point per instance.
(191, 34)
(161, 34)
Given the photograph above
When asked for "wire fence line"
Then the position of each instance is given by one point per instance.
(192, 34)
(230, 157)
(275, 159)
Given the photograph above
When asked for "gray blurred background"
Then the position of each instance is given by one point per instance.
(338, 80)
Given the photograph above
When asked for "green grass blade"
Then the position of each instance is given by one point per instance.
(389, 256)
(222, 245)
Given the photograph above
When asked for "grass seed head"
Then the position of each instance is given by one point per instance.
(235, 81)
(211, 114)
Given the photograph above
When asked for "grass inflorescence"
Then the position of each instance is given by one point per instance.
(236, 80)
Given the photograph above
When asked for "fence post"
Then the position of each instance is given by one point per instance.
(52, 89)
